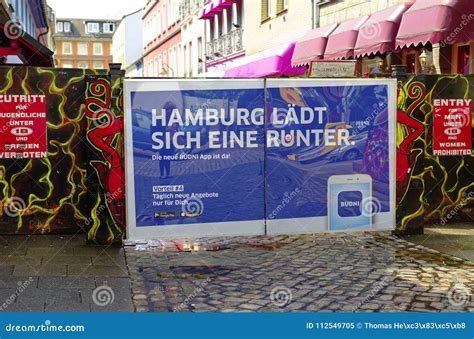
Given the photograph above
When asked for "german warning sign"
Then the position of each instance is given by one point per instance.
(23, 133)
(452, 123)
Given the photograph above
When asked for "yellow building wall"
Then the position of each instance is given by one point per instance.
(279, 28)
(349, 9)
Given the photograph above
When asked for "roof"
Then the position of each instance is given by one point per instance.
(78, 28)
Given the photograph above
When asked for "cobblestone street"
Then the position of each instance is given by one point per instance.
(362, 272)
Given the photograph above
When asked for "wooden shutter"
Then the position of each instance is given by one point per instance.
(264, 9)
(280, 5)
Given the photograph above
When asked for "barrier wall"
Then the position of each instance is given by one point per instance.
(79, 186)
(239, 157)
(432, 188)
(55, 171)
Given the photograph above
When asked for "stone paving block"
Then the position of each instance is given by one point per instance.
(66, 282)
(49, 252)
(50, 270)
(22, 260)
(60, 305)
(19, 307)
(18, 282)
(31, 294)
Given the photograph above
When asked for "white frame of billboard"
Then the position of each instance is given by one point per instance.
(385, 221)
(239, 228)
(254, 227)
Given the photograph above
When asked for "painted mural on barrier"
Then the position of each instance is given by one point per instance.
(199, 151)
(432, 188)
(106, 185)
(48, 193)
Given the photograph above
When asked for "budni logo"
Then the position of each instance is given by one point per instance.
(349, 204)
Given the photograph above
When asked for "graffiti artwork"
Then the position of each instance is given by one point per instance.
(429, 187)
(52, 194)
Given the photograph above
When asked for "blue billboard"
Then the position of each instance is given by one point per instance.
(247, 157)
(331, 166)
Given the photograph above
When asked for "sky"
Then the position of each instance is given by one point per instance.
(95, 9)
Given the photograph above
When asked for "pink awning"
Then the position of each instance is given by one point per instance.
(273, 62)
(206, 12)
(312, 45)
(437, 20)
(379, 33)
(342, 41)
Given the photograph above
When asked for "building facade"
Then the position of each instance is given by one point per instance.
(25, 33)
(127, 44)
(430, 37)
(84, 43)
(162, 39)
(224, 25)
(193, 38)
(267, 27)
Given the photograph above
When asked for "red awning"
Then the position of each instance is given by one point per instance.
(312, 45)
(214, 7)
(29, 50)
(342, 41)
(207, 11)
(437, 20)
(379, 33)
(272, 62)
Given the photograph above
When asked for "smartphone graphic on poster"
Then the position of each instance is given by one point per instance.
(349, 202)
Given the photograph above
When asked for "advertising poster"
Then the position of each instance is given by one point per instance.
(452, 127)
(330, 155)
(238, 157)
(23, 133)
(195, 158)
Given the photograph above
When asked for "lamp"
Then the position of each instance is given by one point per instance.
(423, 58)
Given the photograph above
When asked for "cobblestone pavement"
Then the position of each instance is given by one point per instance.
(326, 272)
(61, 274)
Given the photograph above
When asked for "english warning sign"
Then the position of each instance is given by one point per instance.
(23, 130)
(452, 123)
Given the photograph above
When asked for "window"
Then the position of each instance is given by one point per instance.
(59, 27)
(281, 5)
(98, 48)
(165, 18)
(82, 48)
(109, 28)
(464, 60)
(265, 10)
(83, 64)
(67, 48)
(67, 27)
(92, 27)
(67, 64)
(98, 65)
